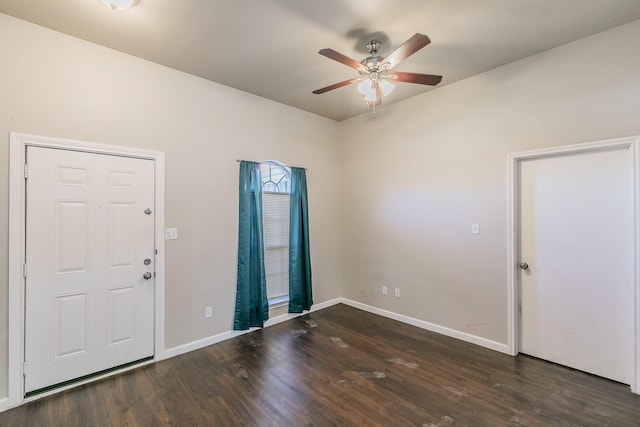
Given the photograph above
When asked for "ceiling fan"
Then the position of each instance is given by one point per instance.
(376, 73)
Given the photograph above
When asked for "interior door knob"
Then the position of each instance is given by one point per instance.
(147, 275)
(524, 266)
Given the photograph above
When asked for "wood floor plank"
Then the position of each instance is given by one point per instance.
(340, 367)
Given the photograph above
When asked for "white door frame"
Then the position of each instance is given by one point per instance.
(513, 227)
(18, 144)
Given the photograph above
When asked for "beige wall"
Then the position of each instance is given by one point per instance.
(418, 174)
(55, 85)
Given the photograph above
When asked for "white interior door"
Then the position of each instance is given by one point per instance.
(89, 304)
(577, 237)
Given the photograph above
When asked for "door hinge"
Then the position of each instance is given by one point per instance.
(26, 171)
(24, 368)
(24, 270)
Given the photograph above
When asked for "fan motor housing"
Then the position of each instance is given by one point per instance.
(371, 63)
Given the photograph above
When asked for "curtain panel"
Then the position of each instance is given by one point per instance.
(300, 294)
(252, 307)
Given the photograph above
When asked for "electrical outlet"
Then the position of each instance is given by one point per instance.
(475, 228)
(384, 290)
(208, 312)
(397, 293)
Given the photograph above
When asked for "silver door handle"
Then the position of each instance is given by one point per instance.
(147, 275)
(524, 266)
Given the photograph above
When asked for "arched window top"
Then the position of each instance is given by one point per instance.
(276, 177)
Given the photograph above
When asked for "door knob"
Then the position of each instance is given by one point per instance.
(147, 275)
(524, 266)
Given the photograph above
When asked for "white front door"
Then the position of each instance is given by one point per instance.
(90, 261)
(577, 237)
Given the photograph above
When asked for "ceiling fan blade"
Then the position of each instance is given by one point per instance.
(334, 86)
(423, 79)
(337, 56)
(408, 48)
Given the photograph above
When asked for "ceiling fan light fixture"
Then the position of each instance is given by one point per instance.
(386, 86)
(366, 86)
(119, 4)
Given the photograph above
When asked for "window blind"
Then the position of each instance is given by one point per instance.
(275, 219)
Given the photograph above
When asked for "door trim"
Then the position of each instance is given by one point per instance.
(513, 227)
(18, 144)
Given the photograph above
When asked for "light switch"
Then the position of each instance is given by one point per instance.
(171, 234)
(475, 228)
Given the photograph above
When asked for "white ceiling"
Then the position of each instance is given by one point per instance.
(269, 47)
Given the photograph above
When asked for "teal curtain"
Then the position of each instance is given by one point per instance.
(300, 295)
(252, 307)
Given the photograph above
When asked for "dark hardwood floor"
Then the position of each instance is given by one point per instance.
(340, 367)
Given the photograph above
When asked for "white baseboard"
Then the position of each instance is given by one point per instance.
(473, 339)
(195, 345)
(288, 316)
(204, 342)
(4, 404)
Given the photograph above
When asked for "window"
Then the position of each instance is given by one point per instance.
(275, 218)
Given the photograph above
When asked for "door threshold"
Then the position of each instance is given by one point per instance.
(65, 385)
